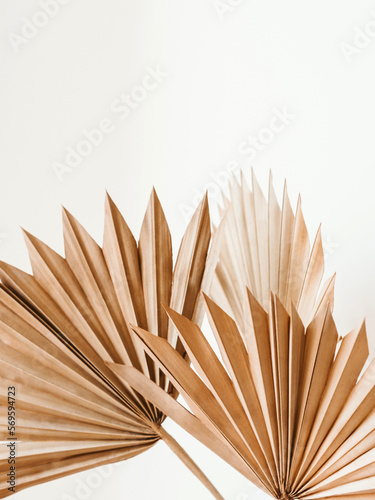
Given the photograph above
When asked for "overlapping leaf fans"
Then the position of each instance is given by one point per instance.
(100, 344)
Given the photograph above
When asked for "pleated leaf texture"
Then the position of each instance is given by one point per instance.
(61, 326)
(266, 248)
(289, 401)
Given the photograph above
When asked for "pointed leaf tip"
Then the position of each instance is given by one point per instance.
(65, 213)
(108, 198)
(174, 315)
(154, 201)
(28, 236)
(154, 194)
(212, 305)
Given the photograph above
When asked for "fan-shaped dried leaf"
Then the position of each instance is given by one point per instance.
(322, 444)
(62, 327)
(266, 249)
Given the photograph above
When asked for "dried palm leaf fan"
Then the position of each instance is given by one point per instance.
(60, 326)
(288, 399)
(266, 248)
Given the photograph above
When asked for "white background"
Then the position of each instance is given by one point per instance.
(227, 70)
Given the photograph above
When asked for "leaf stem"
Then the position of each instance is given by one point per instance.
(189, 462)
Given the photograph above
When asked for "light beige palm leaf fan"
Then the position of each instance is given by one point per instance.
(266, 248)
(291, 400)
(61, 326)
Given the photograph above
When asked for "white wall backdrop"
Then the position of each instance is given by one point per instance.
(181, 92)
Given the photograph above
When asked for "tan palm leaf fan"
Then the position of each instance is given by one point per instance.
(61, 326)
(286, 400)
